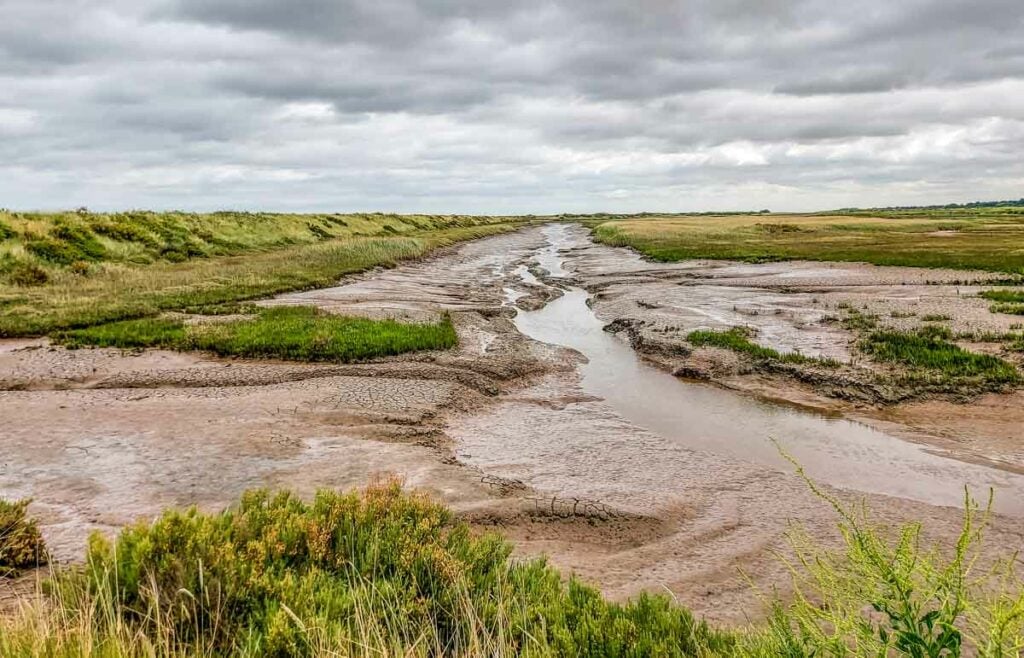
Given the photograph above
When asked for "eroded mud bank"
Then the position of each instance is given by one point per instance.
(632, 481)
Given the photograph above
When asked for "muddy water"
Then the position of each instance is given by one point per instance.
(838, 452)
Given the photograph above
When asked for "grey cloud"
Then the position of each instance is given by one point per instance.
(480, 106)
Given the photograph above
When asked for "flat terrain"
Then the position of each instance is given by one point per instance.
(523, 429)
(984, 239)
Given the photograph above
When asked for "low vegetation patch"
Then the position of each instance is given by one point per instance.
(383, 573)
(21, 544)
(1010, 302)
(965, 238)
(930, 351)
(737, 339)
(390, 573)
(300, 333)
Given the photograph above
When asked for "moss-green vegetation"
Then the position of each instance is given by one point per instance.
(737, 339)
(975, 238)
(300, 333)
(21, 544)
(242, 257)
(1006, 301)
(387, 573)
(384, 573)
(143, 332)
(929, 351)
(61, 239)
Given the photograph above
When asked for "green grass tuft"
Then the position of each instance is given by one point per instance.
(304, 333)
(737, 339)
(128, 334)
(299, 333)
(930, 350)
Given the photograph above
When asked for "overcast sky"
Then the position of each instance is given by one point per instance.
(509, 106)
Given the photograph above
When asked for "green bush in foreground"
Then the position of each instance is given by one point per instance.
(21, 544)
(382, 573)
(389, 573)
(301, 333)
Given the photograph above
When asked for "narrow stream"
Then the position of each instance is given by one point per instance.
(836, 451)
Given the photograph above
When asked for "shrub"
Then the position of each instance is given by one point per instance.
(21, 544)
(319, 232)
(53, 251)
(80, 239)
(888, 594)
(79, 267)
(22, 273)
(5, 231)
(280, 577)
(124, 231)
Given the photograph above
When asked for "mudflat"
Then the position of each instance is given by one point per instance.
(568, 418)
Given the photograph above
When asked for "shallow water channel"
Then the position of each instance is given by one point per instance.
(839, 452)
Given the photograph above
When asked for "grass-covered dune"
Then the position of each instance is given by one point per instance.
(982, 238)
(70, 270)
(389, 573)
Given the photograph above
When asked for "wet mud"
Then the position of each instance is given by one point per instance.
(575, 441)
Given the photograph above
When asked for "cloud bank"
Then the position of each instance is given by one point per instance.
(510, 107)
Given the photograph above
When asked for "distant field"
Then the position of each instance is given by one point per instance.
(989, 239)
(67, 270)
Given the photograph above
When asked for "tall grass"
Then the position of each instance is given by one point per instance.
(390, 573)
(300, 333)
(384, 573)
(886, 593)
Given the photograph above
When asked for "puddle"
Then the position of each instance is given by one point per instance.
(839, 452)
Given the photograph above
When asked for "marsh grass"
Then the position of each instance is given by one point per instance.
(984, 239)
(385, 572)
(929, 350)
(381, 573)
(738, 339)
(300, 333)
(120, 292)
(1010, 302)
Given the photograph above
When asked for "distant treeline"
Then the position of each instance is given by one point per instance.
(1019, 203)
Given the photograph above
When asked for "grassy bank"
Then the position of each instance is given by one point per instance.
(300, 333)
(984, 239)
(738, 339)
(281, 256)
(388, 573)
